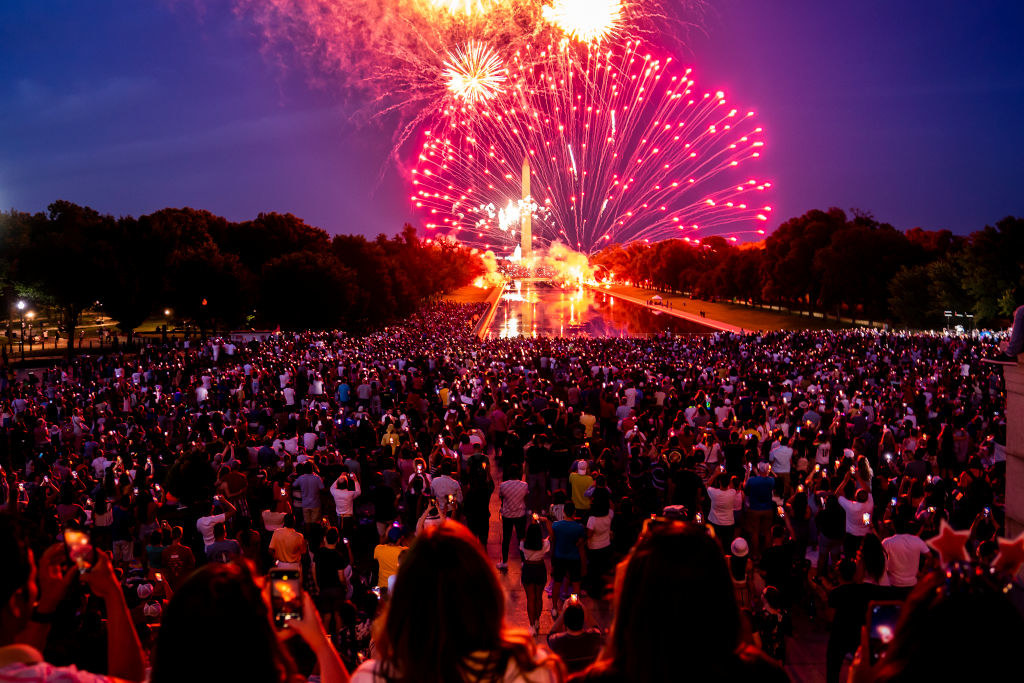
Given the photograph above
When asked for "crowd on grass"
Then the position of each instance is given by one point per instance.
(709, 491)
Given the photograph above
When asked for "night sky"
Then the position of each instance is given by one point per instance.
(911, 110)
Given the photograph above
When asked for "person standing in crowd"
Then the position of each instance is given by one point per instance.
(345, 490)
(580, 482)
(904, 551)
(725, 500)
(287, 546)
(512, 493)
(31, 596)
(310, 485)
(446, 574)
(576, 643)
(568, 555)
(535, 548)
(387, 556)
(858, 508)
(218, 617)
(675, 569)
(758, 493)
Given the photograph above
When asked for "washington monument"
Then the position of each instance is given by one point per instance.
(526, 215)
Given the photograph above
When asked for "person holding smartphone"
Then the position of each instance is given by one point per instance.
(219, 617)
(29, 595)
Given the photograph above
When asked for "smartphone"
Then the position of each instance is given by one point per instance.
(79, 548)
(285, 596)
(882, 620)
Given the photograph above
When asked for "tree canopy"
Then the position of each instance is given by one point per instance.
(273, 270)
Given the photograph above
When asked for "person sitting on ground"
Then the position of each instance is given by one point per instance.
(447, 576)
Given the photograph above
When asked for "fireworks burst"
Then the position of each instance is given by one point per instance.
(474, 73)
(621, 149)
(586, 20)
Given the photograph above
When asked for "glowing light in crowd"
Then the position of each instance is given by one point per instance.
(474, 72)
(622, 145)
(586, 20)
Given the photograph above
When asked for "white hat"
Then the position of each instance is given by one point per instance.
(739, 547)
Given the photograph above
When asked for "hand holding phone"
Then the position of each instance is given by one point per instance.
(285, 596)
(881, 628)
(79, 549)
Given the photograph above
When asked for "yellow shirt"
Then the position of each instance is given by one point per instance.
(579, 484)
(588, 421)
(387, 557)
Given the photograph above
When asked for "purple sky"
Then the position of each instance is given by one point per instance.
(910, 110)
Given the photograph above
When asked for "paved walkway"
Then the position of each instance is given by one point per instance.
(661, 307)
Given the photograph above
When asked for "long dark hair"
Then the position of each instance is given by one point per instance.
(220, 619)
(938, 638)
(446, 580)
(674, 569)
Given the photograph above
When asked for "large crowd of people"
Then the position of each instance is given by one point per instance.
(318, 505)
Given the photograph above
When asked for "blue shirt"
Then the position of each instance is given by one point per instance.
(759, 493)
(567, 533)
(311, 486)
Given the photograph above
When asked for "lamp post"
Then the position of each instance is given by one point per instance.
(31, 336)
(949, 316)
(21, 316)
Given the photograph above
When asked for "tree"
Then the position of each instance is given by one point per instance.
(993, 269)
(307, 289)
(64, 256)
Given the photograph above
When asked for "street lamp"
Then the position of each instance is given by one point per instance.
(21, 316)
(949, 316)
(30, 315)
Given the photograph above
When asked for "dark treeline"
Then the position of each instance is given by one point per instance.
(827, 262)
(273, 270)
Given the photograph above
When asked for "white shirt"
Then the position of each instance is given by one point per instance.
(903, 558)
(205, 526)
(855, 512)
(444, 486)
(602, 531)
(781, 459)
(723, 505)
(343, 499)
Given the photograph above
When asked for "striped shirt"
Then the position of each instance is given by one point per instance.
(512, 494)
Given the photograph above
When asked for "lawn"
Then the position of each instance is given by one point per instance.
(734, 314)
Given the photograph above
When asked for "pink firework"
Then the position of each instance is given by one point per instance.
(621, 145)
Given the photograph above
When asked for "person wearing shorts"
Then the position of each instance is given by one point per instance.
(534, 547)
(569, 538)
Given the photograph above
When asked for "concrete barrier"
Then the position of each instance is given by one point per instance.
(492, 307)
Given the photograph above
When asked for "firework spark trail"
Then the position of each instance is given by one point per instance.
(621, 149)
(391, 54)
